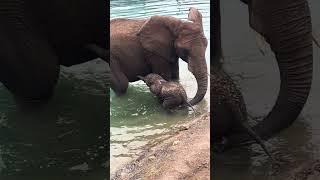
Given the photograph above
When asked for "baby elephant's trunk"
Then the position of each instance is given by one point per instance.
(257, 139)
(194, 111)
(140, 77)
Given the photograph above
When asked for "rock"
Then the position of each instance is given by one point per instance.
(151, 158)
(183, 127)
(175, 143)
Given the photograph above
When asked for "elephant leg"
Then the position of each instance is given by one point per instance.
(29, 67)
(119, 81)
(175, 70)
(98, 51)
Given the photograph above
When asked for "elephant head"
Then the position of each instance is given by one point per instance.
(286, 26)
(170, 38)
(154, 82)
(151, 79)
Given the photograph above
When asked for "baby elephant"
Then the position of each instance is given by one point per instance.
(171, 94)
(229, 111)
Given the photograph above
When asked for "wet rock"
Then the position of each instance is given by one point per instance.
(183, 127)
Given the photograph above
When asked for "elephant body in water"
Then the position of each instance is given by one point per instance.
(286, 26)
(36, 37)
(154, 45)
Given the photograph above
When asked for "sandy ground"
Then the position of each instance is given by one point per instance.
(185, 155)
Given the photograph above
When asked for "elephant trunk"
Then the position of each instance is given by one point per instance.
(217, 45)
(291, 41)
(295, 60)
(201, 75)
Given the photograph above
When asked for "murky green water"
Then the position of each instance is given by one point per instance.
(137, 117)
(260, 84)
(64, 139)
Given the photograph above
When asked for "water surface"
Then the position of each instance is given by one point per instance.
(64, 139)
(137, 118)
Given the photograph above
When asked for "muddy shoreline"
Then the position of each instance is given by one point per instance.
(184, 155)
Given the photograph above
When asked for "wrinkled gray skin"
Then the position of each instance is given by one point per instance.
(171, 94)
(229, 111)
(286, 26)
(154, 45)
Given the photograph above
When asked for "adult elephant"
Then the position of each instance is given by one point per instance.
(286, 26)
(37, 36)
(154, 45)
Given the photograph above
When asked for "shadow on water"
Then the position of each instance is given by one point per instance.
(137, 117)
(63, 139)
(258, 77)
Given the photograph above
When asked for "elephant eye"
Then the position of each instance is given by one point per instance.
(184, 53)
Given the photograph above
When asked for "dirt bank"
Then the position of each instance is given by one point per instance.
(184, 155)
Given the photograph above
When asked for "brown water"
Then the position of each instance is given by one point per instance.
(258, 77)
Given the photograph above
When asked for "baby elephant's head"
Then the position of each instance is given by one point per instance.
(151, 79)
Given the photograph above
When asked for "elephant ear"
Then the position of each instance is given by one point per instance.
(195, 16)
(156, 36)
